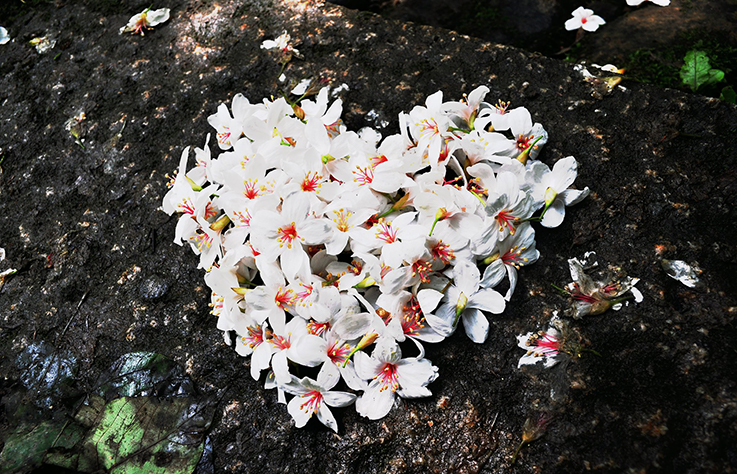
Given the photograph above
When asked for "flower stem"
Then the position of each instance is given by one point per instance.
(516, 452)
(565, 292)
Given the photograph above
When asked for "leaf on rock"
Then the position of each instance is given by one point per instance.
(141, 434)
(27, 446)
(145, 374)
(697, 71)
(47, 374)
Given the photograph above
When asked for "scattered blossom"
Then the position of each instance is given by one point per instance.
(341, 251)
(662, 3)
(584, 18)
(283, 44)
(594, 296)
(4, 38)
(146, 20)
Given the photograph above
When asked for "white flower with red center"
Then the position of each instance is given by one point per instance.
(270, 303)
(466, 110)
(228, 130)
(540, 346)
(429, 128)
(313, 397)
(296, 344)
(552, 189)
(405, 307)
(661, 3)
(322, 121)
(282, 43)
(506, 206)
(466, 301)
(386, 234)
(390, 376)
(508, 256)
(145, 20)
(584, 18)
(282, 235)
(344, 217)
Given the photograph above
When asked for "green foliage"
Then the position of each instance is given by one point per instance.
(697, 71)
(143, 417)
(132, 435)
(649, 67)
(728, 95)
(26, 447)
(663, 65)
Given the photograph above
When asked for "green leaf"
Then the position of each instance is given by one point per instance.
(142, 434)
(697, 71)
(728, 95)
(145, 374)
(27, 446)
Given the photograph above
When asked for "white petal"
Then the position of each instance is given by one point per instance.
(574, 196)
(487, 300)
(554, 215)
(493, 275)
(294, 407)
(428, 299)
(366, 367)
(416, 373)
(476, 324)
(352, 325)
(375, 404)
(338, 399)
(326, 417)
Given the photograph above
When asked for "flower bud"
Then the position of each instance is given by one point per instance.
(461, 305)
(550, 195)
(298, 112)
(221, 223)
(365, 283)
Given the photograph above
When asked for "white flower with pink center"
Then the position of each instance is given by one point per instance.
(584, 18)
(540, 346)
(146, 20)
(391, 376)
(660, 3)
(314, 397)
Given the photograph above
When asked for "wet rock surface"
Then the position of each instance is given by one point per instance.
(98, 276)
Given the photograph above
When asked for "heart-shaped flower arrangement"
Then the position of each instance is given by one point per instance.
(331, 249)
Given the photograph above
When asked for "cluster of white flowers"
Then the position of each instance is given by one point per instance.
(328, 250)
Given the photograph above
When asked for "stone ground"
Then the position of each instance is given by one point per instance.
(99, 277)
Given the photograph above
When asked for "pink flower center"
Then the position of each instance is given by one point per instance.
(338, 353)
(388, 377)
(548, 344)
(514, 257)
(413, 318)
(311, 182)
(363, 176)
(312, 402)
(284, 298)
(254, 338)
(386, 233)
(286, 235)
(523, 142)
(422, 269)
(505, 218)
(281, 343)
(442, 251)
(250, 189)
